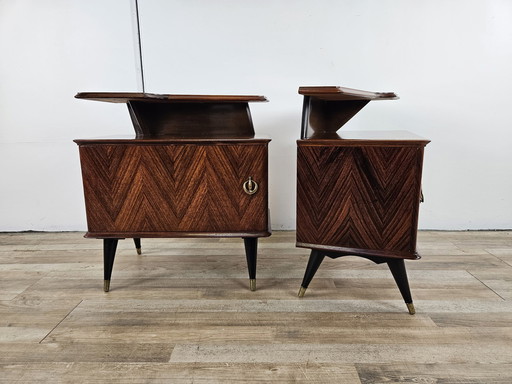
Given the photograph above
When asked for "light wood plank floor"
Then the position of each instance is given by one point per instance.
(182, 313)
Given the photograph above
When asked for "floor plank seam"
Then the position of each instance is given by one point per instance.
(185, 314)
(485, 285)
(29, 287)
(60, 322)
(499, 258)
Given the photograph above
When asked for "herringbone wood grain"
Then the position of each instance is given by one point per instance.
(174, 187)
(359, 197)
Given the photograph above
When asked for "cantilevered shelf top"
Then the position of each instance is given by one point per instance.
(327, 109)
(342, 93)
(124, 97)
(184, 116)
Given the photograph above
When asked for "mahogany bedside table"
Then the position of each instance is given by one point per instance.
(193, 169)
(358, 193)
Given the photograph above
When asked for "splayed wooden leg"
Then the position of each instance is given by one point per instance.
(109, 253)
(138, 247)
(315, 259)
(251, 252)
(397, 268)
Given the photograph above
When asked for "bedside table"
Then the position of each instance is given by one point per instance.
(193, 169)
(358, 193)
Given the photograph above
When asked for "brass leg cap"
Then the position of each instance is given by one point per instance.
(302, 291)
(139, 251)
(410, 307)
(252, 284)
(106, 285)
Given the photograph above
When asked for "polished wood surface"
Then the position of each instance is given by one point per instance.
(189, 120)
(327, 109)
(369, 139)
(158, 189)
(181, 313)
(358, 193)
(359, 199)
(194, 169)
(123, 97)
(344, 93)
(184, 116)
(163, 140)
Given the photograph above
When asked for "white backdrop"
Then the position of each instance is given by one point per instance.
(449, 61)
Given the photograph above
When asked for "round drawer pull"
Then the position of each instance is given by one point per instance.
(250, 186)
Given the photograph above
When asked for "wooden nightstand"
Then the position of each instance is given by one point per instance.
(358, 193)
(193, 169)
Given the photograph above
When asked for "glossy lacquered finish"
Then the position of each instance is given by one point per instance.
(185, 116)
(326, 109)
(173, 189)
(360, 197)
(193, 169)
(358, 193)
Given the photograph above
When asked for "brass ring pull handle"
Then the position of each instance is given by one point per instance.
(250, 186)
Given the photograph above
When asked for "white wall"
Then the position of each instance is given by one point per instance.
(448, 60)
(50, 50)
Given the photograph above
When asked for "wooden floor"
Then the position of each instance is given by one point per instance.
(182, 313)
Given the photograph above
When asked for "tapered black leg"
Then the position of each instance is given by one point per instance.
(251, 252)
(137, 246)
(109, 253)
(397, 267)
(315, 259)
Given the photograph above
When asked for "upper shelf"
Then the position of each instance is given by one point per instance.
(342, 93)
(327, 109)
(184, 116)
(123, 97)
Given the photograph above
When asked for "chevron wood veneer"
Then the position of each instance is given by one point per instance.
(359, 198)
(358, 193)
(193, 169)
(151, 190)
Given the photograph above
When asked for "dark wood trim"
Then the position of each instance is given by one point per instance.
(109, 254)
(189, 119)
(355, 143)
(172, 140)
(326, 109)
(137, 243)
(397, 268)
(137, 124)
(344, 93)
(327, 116)
(142, 235)
(305, 118)
(251, 252)
(343, 251)
(315, 260)
(123, 97)
(368, 139)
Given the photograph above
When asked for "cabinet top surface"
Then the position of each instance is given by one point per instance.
(369, 138)
(124, 97)
(163, 140)
(343, 93)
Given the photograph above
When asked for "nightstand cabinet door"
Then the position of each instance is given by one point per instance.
(363, 199)
(174, 188)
